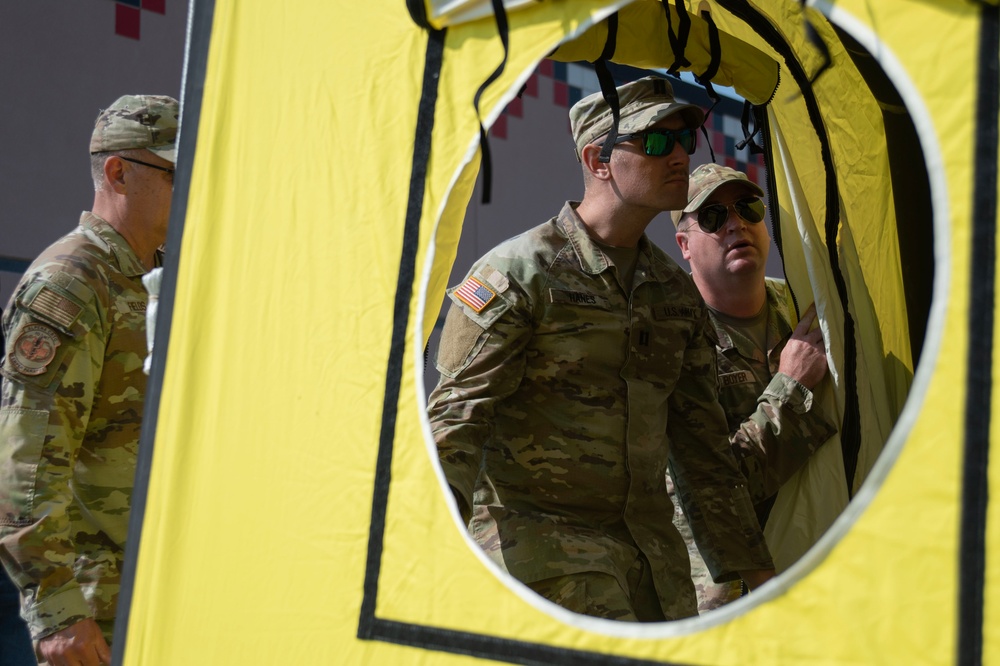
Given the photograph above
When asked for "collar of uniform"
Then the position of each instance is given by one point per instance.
(128, 262)
(592, 258)
(777, 324)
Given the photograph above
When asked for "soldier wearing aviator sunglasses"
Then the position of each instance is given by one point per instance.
(766, 371)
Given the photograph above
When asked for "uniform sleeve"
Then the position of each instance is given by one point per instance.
(710, 485)
(49, 375)
(481, 359)
(779, 436)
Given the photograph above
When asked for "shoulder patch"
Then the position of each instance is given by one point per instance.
(55, 307)
(33, 349)
(475, 294)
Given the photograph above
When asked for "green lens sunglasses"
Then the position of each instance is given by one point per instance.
(660, 142)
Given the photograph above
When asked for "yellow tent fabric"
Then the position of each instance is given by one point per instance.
(294, 512)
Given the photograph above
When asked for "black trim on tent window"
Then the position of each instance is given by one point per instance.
(427, 637)
(433, 59)
(979, 383)
(850, 430)
(199, 40)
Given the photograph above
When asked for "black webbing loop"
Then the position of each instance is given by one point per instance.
(708, 141)
(705, 78)
(679, 40)
(611, 43)
(610, 93)
(608, 88)
(715, 59)
(748, 134)
(504, 29)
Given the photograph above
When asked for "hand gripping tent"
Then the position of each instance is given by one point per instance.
(289, 508)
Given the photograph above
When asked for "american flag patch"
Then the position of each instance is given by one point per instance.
(59, 309)
(475, 294)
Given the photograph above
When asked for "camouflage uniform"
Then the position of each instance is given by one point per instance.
(70, 415)
(551, 416)
(773, 426)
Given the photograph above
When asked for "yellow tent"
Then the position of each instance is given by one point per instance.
(289, 508)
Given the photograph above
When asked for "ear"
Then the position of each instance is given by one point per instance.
(590, 158)
(682, 242)
(114, 173)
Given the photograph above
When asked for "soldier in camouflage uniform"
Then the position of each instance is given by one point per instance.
(575, 363)
(73, 388)
(766, 370)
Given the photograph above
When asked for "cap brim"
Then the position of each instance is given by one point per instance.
(696, 203)
(693, 117)
(168, 152)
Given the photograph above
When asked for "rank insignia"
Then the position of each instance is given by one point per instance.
(34, 349)
(475, 294)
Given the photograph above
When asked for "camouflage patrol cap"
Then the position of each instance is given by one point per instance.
(138, 121)
(707, 179)
(643, 103)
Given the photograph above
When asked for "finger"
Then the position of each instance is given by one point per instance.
(807, 320)
(103, 651)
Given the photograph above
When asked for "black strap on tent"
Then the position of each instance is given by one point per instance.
(504, 29)
(679, 40)
(715, 58)
(705, 78)
(749, 134)
(608, 88)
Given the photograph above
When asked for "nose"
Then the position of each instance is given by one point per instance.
(679, 157)
(734, 221)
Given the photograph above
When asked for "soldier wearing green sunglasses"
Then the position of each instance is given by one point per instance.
(576, 359)
(766, 371)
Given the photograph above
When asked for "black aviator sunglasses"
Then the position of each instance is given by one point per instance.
(712, 217)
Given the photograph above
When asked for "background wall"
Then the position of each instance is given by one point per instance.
(62, 63)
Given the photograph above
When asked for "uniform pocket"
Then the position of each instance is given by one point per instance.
(22, 433)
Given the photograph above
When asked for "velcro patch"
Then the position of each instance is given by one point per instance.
(497, 279)
(734, 378)
(475, 294)
(33, 349)
(55, 307)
